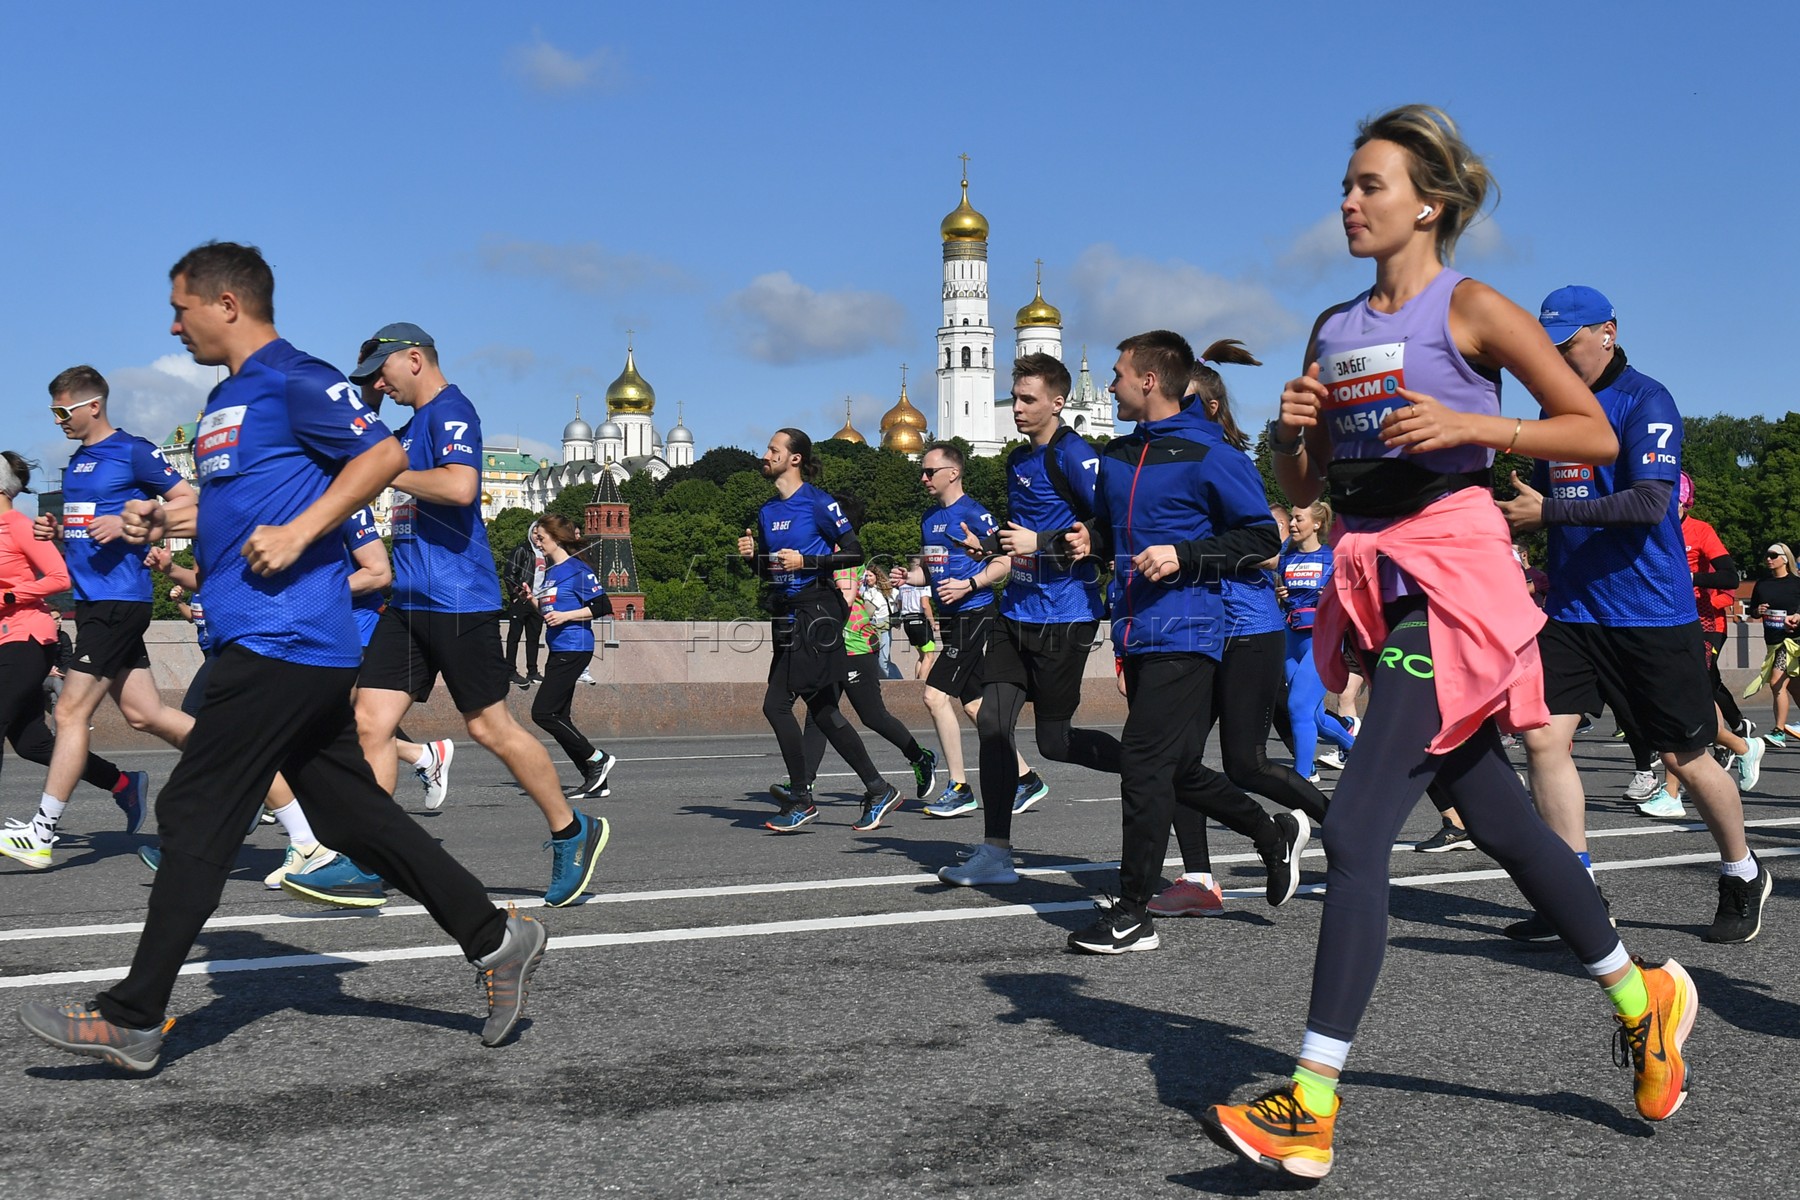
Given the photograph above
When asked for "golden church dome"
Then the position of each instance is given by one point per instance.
(848, 432)
(964, 224)
(903, 427)
(630, 392)
(1039, 312)
(902, 440)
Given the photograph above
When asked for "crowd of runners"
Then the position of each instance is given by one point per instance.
(1393, 569)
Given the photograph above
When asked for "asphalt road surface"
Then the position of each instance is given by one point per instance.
(742, 1013)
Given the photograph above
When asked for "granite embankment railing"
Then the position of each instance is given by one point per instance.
(669, 677)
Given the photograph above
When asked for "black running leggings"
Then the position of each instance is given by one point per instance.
(526, 620)
(862, 683)
(1379, 787)
(821, 709)
(1722, 696)
(1171, 698)
(555, 699)
(1246, 696)
(23, 668)
(997, 726)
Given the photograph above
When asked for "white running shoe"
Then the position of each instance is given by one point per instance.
(587, 678)
(436, 778)
(1749, 764)
(1333, 758)
(1641, 787)
(298, 862)
(20, 841)
(1666, 806)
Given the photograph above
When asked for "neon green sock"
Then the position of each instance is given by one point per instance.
(1318, 1092)
(1628, 995)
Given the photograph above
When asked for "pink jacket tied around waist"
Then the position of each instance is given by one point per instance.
(1483, 625)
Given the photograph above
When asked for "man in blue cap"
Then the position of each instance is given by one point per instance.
(1622, 623)
(444, 618)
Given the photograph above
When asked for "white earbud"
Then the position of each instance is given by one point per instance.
(1423, 213)
(1605, 341)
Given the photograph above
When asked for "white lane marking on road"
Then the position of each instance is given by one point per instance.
(772, 928)
(393, 911)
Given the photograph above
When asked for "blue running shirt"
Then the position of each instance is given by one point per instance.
(271, 440)
(1626, 575)
(441, 557)
(809, 521)
(358, 530)
(1041, 590)
(97, 482)
(940, 531)
(1304, 573)
(569, 585)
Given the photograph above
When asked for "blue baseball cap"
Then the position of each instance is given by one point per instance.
(1570, 309)
(389, 338)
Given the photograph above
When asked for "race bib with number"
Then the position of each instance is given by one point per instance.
(1571, 481)
(402, 515)
(1362, 388)
(77, 520)
(217, 443)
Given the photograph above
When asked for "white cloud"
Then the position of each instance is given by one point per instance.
(512, 363)
(780, 320)
(548, 68)
(865, 415)
(1119, 296)
(151, 401)
(580, 266)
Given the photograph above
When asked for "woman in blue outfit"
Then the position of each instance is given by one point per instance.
(1305, 570)
(570, 598)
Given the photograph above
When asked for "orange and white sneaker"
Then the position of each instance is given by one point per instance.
(80, 1029)
(1277, 1131)
(1651, 1045)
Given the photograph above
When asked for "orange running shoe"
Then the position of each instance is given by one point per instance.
(1276, 1130)
(1651, 1045)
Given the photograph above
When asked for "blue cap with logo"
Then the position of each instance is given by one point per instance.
(1568, 310)
(388, 339)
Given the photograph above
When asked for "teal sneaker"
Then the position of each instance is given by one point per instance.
(339, 883)
(1029, 794)
(1749, 764)
(151, 856)
(1776, 739)
(925, 775)
(956, 800)
(572, 860)
(1664, 805)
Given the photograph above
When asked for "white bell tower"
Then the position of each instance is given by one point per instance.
(965, 367)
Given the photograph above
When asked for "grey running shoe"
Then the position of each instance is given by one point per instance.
(988, 865)
(81, 1029)
(1641, 787)
(505, 975)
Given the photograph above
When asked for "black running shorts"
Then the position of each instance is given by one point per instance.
(962, 644)
(1047, 661)
(109, 637)
(1655, 674)
(411, 648)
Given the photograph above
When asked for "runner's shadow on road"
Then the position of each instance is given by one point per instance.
(241, 999)
(1746, 1003)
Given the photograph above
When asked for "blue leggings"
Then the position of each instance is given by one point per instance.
(1306, 704)
(1377, 792)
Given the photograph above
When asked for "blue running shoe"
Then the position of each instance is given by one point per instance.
(957, 799)
(876, 805)
(134, 799)
(150, 856)
(339, 883)
(790, 819)
(572, 860)
(925, 775)
(1029, 794)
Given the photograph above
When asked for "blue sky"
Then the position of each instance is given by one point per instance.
(755, 189)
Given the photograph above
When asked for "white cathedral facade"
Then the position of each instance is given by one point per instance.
(626, 443)
(967, 405)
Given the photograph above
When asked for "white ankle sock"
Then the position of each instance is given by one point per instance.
(1741, 870)
(426, 756)
(51, 807)
(1203, 878)
(293, 820)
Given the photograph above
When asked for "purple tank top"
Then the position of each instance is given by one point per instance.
(1365, 357)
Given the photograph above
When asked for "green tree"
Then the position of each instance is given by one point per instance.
(573, 503)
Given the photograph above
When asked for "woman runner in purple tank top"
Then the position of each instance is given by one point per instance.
(1398, 413)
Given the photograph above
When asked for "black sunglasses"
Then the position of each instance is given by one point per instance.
(928, 472)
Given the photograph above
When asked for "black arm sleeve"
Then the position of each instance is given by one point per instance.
(1724, 574)
(1642, 503)
(849, 553)
(601, 605)
(1230, 552)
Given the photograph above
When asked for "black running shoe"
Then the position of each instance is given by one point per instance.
(593, 778)
(1117, 930)
(1450, 837)
(1537, 927)
(1741, 906)
(1283, 858)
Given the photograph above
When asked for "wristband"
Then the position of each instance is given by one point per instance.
(1285, 449)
